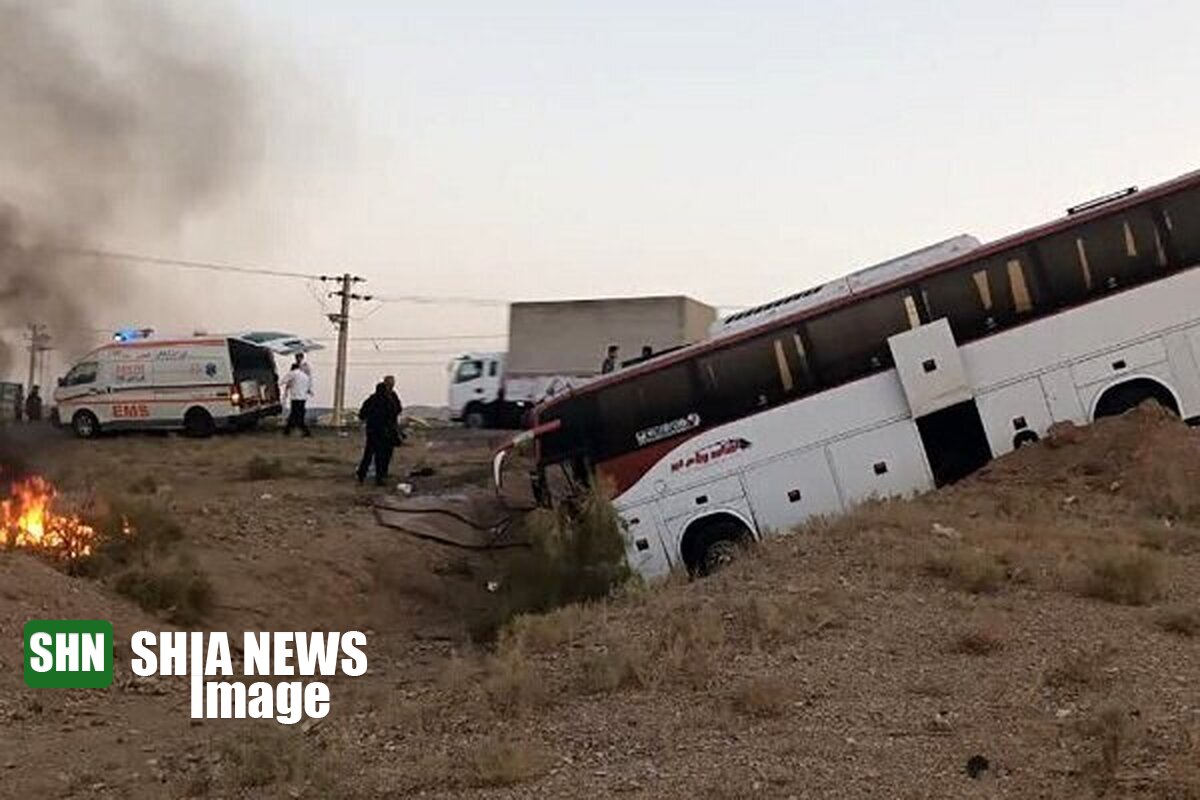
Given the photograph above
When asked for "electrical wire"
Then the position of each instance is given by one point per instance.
(180, 263)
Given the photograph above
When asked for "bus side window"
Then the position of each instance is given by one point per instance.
(1112, 253)
(752, 376)
(983, 297)
(852, 342)
(1181, 213)
(639, 404)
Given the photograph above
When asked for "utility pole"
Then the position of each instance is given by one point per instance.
(39, 342)
(342, 320)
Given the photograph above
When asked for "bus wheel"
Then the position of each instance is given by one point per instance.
(1127, 396)
(85, 425)
(713, 543)
(475, 417)
(198, 423)
(718, 555)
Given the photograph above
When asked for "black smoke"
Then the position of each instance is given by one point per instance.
(114, 115)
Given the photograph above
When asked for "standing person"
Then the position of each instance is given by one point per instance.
(397, 408)
(610, 360)
(298, 387)
(33, 405)
(304, 365)
(378, 419)
(647, 351)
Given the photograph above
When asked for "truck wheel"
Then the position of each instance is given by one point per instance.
(198, 423)
(85, 425)
(475, 417)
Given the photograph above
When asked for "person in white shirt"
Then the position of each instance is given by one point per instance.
(297, 387)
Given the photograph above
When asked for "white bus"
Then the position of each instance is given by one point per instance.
(894, 380)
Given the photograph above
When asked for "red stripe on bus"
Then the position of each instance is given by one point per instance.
(628, 468)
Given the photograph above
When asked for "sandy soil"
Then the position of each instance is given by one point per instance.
(1040, 618)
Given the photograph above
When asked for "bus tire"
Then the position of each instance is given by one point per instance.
(198, 423)
(713, 543)
(1024, 439)
(1117, 400)
(85, 425)
(475, 416)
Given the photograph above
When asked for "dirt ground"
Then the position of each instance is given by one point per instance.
(1030, 632)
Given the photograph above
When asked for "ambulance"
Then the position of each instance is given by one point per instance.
(197, 385)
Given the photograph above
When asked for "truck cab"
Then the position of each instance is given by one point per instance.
(476, 388)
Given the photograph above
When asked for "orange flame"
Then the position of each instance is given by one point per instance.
(28, 521)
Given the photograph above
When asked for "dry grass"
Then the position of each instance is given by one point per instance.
(1126, 577)
(967, 569)
(513, 683)
(1179, 620)
(1078, 669)
(762, 696)
(977, 642)
(1109, 731)
(616, 667)
(498, 762)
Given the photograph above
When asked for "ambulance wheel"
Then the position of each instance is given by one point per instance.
(198, 423)
(85, 425)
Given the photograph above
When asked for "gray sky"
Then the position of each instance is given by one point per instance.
(734, 152)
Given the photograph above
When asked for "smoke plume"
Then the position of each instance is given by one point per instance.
(114, 116)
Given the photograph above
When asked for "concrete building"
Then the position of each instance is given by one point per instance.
(571, 337)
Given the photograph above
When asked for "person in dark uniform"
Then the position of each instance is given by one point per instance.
(397, 407)
(379, 420)
(33, 405)
(610, 360)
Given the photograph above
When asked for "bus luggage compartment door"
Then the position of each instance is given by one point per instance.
(647, 554)
(930, 368)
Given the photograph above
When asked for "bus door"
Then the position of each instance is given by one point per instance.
(942, 400)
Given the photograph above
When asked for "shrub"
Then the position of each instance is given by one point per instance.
(1127, 577)
(186, 595)
(974, 571)
(573, 556)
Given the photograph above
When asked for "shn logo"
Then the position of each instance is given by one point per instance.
(68, 654)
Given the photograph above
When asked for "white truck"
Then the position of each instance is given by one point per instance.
(555, 345)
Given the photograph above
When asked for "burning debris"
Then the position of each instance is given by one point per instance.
(28, 521)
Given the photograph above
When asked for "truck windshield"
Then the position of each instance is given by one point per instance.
(468, 371)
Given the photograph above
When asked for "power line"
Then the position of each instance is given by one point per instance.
(434, 300)
(179, 263)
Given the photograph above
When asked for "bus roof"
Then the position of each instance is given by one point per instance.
(1078, 215)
